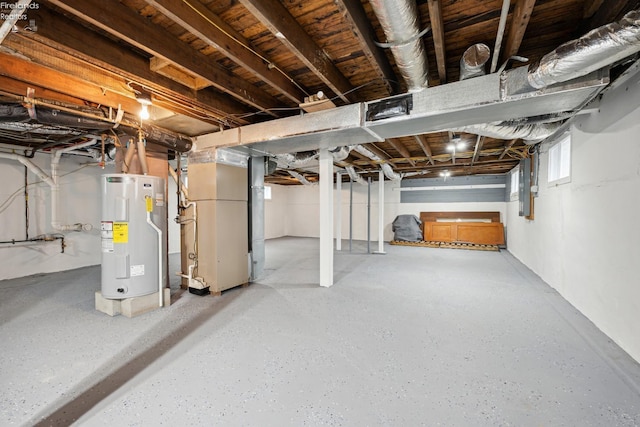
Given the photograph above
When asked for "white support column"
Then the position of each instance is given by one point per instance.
(338, 211)
(380, 213)
(326, 218)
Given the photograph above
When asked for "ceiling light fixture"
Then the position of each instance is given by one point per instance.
(145, 101)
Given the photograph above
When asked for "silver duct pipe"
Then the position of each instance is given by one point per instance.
(399, 20)
(386, 168)
(596, 49)
(472, 63)
(354, 175)
(340, 153)
(295, 160)
(530, 133)
(300, 178)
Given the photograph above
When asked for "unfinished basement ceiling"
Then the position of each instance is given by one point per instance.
(210, 65)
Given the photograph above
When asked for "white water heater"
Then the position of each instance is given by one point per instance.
(132, 261)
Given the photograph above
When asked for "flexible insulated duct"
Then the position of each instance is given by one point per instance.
(596, 49)
(301, 178)
(296, 160)
(472, 63)
(399, 21)
(354, 175)
(386, 168)
(530, 133)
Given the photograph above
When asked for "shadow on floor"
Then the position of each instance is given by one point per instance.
(113, 376)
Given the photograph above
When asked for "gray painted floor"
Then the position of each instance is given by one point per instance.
(418, 336)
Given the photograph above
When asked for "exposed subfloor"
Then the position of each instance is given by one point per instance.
(418, 336)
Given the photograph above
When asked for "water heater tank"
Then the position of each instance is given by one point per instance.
(130, 262)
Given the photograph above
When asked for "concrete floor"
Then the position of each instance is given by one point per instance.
(418, 336)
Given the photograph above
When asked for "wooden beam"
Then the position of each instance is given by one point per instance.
(58, 32)
(478, 149)
(519, 21)
(610, 11)
(591, 7)
(197, 19)
(29, 72)
(507, 148)
(122, 22)
(437, 31)
(424, 144)
(275, 16)
(400, 148)
(357, 19)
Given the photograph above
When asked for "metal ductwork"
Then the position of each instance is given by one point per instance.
(354, 175)
(596, 49)
(386, 168)
(530, 133)
(399, 21)
(473, 61)
(301, 178)
(296, 160)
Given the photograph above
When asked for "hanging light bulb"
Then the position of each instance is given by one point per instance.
(144, 112)
(145, 101)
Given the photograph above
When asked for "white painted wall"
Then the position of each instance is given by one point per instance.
(584, 239)
(275, 212)
(80, 202)
(301, 213)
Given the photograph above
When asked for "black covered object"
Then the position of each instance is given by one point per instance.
(407, 228)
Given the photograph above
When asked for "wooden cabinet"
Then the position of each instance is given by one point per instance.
(463, 227)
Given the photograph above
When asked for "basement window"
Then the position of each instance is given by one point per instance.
(560, 162)
(267, 192)
(515, 183)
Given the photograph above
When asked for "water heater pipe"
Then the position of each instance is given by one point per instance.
(128, 157)
(149, 201)
(142, 154)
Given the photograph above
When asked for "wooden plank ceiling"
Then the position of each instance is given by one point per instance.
(215, 64)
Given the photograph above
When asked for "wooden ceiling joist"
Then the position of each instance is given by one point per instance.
(361, 26)
(426, 148)
(477, 149)
(437, 30)
(198, 20)
(283, 25)
(400, 148)
(507, 148)
(29, 72)
(56, 31)
(117, 19)
(519, 22)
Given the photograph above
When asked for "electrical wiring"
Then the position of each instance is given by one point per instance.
(5, 205)
(249, 48)
(255, 113)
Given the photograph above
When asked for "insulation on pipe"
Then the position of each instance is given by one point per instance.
(354, 175)
(300, 178)
(386, 168)
(596, 49)
(530, 133)
(296, 160)
(473, 61)
(399, 21)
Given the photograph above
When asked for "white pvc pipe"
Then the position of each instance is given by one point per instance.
(380, 212)
(339, 211)
(55, 190)
(160, 287)
(500, 35)
(29, 164)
